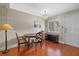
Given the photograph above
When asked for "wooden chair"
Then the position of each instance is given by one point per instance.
(21, 40)
(39, 39)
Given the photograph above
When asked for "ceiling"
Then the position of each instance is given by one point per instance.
(38, 8)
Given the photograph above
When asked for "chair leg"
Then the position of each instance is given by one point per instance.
(30, 45)
(18, 47)
(41, 44)
(25, 44)
(35, 46)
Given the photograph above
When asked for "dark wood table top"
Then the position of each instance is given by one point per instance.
(30, 35)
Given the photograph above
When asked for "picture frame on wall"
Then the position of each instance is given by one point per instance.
(37, 24)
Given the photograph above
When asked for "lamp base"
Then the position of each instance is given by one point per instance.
(6, 51)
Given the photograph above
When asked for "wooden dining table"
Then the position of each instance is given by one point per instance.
(29, 36)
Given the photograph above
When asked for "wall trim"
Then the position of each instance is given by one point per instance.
(9, 47)
(61, 42)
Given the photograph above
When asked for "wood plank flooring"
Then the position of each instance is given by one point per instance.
(48, 49)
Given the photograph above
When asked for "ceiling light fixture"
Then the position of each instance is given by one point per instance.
(45, 16)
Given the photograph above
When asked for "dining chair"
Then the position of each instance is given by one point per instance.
(39, 39)
(21, 40)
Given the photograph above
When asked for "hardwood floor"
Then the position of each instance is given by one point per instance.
(48, 49)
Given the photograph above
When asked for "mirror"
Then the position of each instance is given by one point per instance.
(53, 25)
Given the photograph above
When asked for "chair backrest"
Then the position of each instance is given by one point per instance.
(39, 35)
(17, 37)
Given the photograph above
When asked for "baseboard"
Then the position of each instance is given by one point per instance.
(69, 44)
(9, 47)
(61, 42)
(12, 46)
(73, 45)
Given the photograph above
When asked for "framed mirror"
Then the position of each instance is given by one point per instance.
(53, 25)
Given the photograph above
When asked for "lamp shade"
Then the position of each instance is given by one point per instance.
(6, 26)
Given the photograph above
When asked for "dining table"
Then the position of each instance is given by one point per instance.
(29, 37)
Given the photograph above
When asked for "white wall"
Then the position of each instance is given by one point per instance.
(22, 23)
(71, 25)
(71, 28)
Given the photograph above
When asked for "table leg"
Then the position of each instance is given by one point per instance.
(28, 42)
